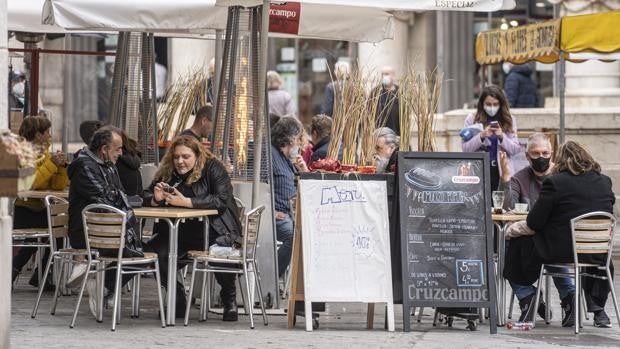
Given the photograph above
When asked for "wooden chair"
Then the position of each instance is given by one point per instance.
(243, 265)
(57, 220)
(104, 229)
(592, 233)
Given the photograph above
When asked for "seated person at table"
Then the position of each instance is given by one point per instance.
(87, 130)
(203, 124)
(320, 131)
(386, 150)
(190, 176)
(524, 187)
(51, 174)
(95, 180)
(575, 187)
(285, 142)
(128, 166)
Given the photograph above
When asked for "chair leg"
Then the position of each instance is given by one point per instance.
(547, 303)
(117, 296)
(260, 292)
(249, 307)
(613, 295)
(576, 299)
(243, 299)
(512, 303)
(65, 267)
(100, 285)
(204, 294)
(191, 291)
(79, 300)
(162, 315)
(420, 313)
(537, 299)
(40, 293)
(435, 317)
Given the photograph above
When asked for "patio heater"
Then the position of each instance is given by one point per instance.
(241, 134)
(133, 105)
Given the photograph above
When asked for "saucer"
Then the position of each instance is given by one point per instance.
(520, 212)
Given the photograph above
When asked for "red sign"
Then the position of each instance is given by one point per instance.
(284, 18)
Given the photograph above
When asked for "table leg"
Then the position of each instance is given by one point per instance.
(501, 284)
(172, 269)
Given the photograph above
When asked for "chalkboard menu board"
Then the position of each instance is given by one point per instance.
(446, 231)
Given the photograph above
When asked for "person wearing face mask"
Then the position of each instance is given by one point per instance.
(190, 176)
(521, 90)
(524, 187)
(386, 94)
(51, 174)
(287, 162)
(18, 90)
(499, 130)
(386, 150)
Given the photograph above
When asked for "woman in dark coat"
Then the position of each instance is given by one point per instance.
(190, 176)
(576, 187)
(128, 166)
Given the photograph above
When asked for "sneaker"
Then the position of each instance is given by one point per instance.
(601, 319)
(527, 308)
(76, 275)
(91, 287)
(569, 311)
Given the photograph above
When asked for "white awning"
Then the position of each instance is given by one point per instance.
(25, 16)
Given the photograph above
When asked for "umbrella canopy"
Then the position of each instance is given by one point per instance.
(25, 16)
(203, 16)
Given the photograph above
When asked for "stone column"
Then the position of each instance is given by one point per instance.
(5, 219)
(592, 83)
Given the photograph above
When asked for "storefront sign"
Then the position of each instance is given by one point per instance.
(284, 18)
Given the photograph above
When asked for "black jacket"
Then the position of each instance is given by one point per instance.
(520, 89)
(128, 166)
(92, 181)
(212, 191)
(319, 150)
(388, 108)
(563, 197)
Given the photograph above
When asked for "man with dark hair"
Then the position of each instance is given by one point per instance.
(95, 180)
(203, 124)
(88, 129)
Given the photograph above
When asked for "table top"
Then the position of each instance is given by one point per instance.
(172, 212)
(41, 194)
(508, 217)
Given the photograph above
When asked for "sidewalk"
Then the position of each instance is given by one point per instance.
(342, 326)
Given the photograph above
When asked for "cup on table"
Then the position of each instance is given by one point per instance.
(498, 200)
(520, 208)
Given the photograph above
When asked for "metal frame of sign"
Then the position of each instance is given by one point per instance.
(491, 303)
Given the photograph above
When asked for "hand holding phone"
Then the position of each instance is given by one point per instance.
(494, 124)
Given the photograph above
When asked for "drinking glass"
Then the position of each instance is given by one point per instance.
(498, 199)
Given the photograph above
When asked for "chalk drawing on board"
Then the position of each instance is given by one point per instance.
(423, 179)
(469, 273)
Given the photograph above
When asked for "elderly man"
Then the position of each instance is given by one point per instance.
(95, 180)
(388, 109)
(524, 187)
(203, 124)
(287, 161)
(386, 150)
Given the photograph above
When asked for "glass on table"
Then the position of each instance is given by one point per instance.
(498, 201)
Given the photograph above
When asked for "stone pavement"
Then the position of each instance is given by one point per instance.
(343, 325)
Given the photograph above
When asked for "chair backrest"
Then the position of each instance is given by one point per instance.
(147, 172)
(251, 227)
(104, 227)
(57, 210)
(240, 208)
(593, 233)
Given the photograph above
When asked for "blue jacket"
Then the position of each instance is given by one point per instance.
(520, 89)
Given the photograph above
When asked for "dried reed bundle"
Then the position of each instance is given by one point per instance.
(405, 93)
(183, 96)
(369, 123)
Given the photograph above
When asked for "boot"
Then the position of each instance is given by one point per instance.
(568, 306)
(527, 308)
(229, 300)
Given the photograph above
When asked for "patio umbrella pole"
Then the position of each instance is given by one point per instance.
(562, 86)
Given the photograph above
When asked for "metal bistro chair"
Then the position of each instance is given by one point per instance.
(57, 220)
(242, 265)
(104, 228)
(592, 233)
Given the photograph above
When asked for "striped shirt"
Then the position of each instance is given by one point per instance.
(283, 181)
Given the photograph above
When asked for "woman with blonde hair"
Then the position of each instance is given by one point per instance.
(280, 101)
(190, 176)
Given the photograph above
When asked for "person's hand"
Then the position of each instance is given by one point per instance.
(177, 199)
(486, 132)
(300, 164)
(504, 163)
(59, 159)
(499, 133)
(158, 191)
(280, 215)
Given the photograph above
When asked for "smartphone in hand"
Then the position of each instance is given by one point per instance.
(494, 124)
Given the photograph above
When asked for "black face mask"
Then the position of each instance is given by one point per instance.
(541, 164)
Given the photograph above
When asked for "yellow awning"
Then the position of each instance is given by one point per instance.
(598, 32)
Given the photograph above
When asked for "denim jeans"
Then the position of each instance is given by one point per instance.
(565, 285)
(284, 234)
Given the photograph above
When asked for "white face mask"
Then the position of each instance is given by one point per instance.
(491, 110)
(293, 152)
(506, 67)
(18, 89)
(386, 80)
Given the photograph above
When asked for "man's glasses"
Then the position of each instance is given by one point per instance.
(537, 154)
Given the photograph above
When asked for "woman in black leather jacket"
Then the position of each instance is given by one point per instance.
(190, 176)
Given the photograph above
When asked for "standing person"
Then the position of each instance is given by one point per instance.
(388, 108)
(521, 90)
(203, 124)
(51, 174)
(524, 187)
(342, 71)
(499, 130)
(210, 77)
(161, 81)
(190, 176)
(280, 102)
(128, 166)
(287, 162)
(17, 93)
(95, 180)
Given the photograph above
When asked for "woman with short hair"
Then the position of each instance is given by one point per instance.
(280, 101)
